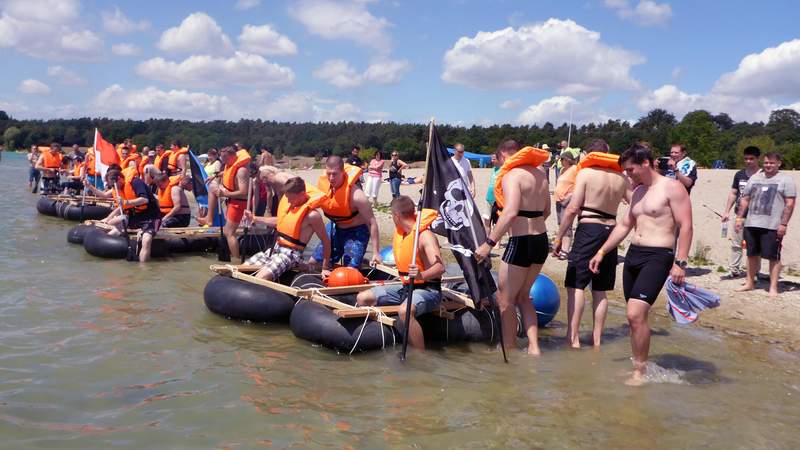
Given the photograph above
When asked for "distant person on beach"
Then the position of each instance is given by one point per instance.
(751, 166)
(565, 186)
(660, 210)
(34, 174)
(354, 159)
(595, 200)
(374, 177)
(464, 168)
(396, 166)
(768, 201)
(490, 200)
(524, 201)
(427, 270)
(681, 167)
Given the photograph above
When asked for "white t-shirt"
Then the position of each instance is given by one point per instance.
(463, 167)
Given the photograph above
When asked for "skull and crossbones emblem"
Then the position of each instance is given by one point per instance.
(456, 209)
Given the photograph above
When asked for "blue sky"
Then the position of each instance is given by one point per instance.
(461, 61)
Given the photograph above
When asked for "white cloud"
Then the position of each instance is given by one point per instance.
(510, 104)
(115, 101)
(242, 69)
(125, 49)
(47, 29)
(773, 72)
(347, 19)
(115, 22)
(265, 40)
(645, 13)
(197, 33)
(339, 73)
(242, 5)
(551, 110)
(556, 54)
(387, 71)
(305, 107)
(65, 76)
(678, 102)
(31, 86)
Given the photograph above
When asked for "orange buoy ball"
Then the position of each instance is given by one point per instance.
(345, 276)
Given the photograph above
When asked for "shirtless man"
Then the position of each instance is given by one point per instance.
(524, 203)
(597, 195)
(660, 210)
(353, 225)
(297, 220)
(233, 187)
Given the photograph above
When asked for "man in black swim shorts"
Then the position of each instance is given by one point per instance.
(660, 210)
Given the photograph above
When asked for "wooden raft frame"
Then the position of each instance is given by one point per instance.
(178, 233)
(454, 300)
(90, 200)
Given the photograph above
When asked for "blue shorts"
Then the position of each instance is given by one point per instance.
(424, 300)
(348, 244)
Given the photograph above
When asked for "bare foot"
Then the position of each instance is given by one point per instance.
(774, 294)
(744, 288)
(576, 344)
(533, 351)
(635, 380)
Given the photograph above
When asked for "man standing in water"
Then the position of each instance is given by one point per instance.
(598, 192)
(524, 202)
(660, 210)
(233, 187)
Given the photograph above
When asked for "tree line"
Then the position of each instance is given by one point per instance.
(708, 137)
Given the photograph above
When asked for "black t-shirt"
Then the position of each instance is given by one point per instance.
(739, 183)
(141, 190)
(355, 161)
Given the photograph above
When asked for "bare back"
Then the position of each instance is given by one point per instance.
(603, 191)
(653, 215)
(527, 187)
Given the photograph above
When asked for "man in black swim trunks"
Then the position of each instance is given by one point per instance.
(660, 210)
(525, 204)
(595, 199)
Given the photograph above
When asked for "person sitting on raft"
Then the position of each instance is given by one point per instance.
(74, 183)
(51, 164)
(352, 224)
(296, 222)
(172, 200)
(426, 271)
(141, 209)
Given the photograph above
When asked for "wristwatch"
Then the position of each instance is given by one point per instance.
(490, 241)
(682, 263)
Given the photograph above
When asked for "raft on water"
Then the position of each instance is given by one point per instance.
(74, 208)
(327, 316)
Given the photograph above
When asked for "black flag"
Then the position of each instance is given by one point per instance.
(459, 219)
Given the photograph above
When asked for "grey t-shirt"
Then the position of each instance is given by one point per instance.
(767, 199)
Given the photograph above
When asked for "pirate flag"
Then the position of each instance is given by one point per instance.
(459, 219)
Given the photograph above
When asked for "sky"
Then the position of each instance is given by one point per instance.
(463, 62)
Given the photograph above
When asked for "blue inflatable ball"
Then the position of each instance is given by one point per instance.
(387, 255)
(545, 298)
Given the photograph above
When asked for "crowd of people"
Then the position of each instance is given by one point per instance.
(150, 189)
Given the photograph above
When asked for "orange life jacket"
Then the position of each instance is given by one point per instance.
(229, 175)
(290, 218)
(565, 184)
(128, 193)
(601, 159)
(403, 246)
(337, 204)
(133, 157)
(129, 173)
(162, 159)
(76, 171)
(52, 161)
(172, 162)
(165, 196)
(90, 170)
(527, 156)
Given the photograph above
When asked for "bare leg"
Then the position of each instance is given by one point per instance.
(366, 298)
(229, 231)
(510, 280)
(753, 264)
(774, 275)
(566, 244)
(208, 219)
(575, 300)
(527, 309)
(147, 243)
(415, 336)
(600, 307)
(640, 338)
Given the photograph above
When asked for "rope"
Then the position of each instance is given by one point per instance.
(378, 314)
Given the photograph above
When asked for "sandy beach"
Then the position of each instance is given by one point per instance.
(751, 314)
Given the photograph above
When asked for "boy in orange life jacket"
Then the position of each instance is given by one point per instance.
(296, 221)
(427, 270)
(140, 207)
(233, 187)
(172, 200)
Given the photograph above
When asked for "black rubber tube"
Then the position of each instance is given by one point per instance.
(46, 206)
(237, 299)
(101, 244)
(90, 212)
(78, 232)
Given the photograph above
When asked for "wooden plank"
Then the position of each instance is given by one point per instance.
(393, 272)
(228, 268)
(269, 284)
(337, 305)
(363, 312)
(457, 297)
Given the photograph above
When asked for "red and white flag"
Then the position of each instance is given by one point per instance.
(104, 154)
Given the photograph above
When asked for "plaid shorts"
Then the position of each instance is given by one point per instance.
(277, 260)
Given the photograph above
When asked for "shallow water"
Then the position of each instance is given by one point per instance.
(98, 354)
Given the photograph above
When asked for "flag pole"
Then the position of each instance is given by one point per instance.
(416, 244)
(569, 132)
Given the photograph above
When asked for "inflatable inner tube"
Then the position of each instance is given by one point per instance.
(85, 212)
(240, 300)
(78, 232)
(183, 245)
(103, 245)
(61, 208)
(46, 206)
(319, 325)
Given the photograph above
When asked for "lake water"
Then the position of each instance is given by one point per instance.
(99, 354)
